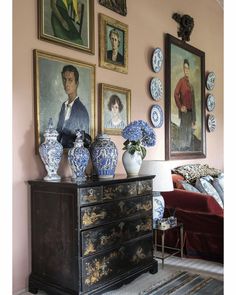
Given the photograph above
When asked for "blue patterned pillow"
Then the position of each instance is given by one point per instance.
(188, 187)
(217, 186)
(205, 187)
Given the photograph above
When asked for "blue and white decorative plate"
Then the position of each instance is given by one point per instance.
(157, 58)
(211, 103)
(211, 123)
(156, 88)
(157, 116)
(210, 81)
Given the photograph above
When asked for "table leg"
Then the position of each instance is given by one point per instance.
(162, 247)
(155, 238)
(181, 240)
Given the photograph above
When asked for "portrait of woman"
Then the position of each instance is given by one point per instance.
(113, 44)
(115, 113)
(115, 106)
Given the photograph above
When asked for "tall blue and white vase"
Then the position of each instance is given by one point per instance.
(78, 158)
(51, 152)
(104, 156)
(158, 208)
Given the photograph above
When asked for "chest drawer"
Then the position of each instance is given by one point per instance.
(98, 269)
(107, 212)
(123, 190)
(144, 187)
(89, 195)
(102, 238)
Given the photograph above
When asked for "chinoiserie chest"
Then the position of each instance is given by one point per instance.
(92, 236)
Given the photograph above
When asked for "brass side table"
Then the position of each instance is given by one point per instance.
(162, 245)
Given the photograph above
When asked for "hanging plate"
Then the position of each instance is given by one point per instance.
(157, 116)
(211, 123)
(156, 88)
(211, 103)
(157, 58)
(210, 81)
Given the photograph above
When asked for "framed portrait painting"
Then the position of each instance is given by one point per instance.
(113, 44)
(64, 91)
(184, 100)
(115, 108)
(118, 6)
(68, 23)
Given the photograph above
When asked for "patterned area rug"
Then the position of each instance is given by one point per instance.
(185, 283)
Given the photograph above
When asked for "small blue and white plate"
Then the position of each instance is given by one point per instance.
(156, 88)
(211, 123)
(210, 81)
(157, 59)
(211, 103)
(157, 116)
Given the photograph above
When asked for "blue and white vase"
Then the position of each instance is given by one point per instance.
(78, 158)
(158, 208)
(51, 152)
(104, 156)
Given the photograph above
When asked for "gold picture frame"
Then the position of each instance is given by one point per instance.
(67, 23)
(50, 95)
(113, 32)
(115, 108)
(119, 6)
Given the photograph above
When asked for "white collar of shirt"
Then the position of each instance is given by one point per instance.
(68, 107)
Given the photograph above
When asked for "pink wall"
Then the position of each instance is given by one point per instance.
(148, 21)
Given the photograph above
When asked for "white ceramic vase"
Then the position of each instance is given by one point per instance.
(132, 163)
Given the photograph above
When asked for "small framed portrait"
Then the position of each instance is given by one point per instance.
(115, 108)
(119, 6)
(113, 44)
(64, 91)
(68, 23)
(185, 100)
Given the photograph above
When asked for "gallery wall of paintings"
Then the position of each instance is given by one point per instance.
(109, 43)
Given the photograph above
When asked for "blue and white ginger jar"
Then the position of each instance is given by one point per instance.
(158, 208)
(51, 152)
(78, 158)
(104, 156)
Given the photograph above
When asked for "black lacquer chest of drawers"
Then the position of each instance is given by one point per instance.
(90, 237)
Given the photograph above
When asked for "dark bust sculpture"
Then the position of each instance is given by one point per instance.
(186, 23)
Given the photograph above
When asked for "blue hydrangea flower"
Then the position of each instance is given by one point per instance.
(138, 134)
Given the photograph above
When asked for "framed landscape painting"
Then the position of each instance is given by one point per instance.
(57, 79)
(184, 100)
(68, 23)
(115, 108)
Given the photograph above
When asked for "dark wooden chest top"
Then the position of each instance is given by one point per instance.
(90, 237)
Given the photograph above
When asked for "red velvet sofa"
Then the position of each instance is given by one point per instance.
(203, 223)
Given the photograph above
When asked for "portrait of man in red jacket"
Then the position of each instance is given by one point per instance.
(185, 102)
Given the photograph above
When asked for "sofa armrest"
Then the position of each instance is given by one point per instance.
(196, 202)
(201, 222)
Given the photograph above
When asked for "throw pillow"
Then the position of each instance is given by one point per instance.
(205, 187)
(176, 178)
(188, 187)
(192, 172)
(217, 186)
(221, 181)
